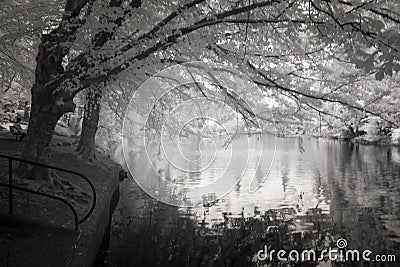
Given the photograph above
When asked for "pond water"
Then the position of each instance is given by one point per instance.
(357, 186)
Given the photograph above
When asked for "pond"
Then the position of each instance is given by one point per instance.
(356, 186)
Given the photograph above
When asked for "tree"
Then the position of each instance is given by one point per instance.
(95, 42)
(55, 86)
(91, 115)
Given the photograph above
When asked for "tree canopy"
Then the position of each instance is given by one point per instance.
(322, 61)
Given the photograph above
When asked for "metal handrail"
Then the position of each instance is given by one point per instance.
(11, 187)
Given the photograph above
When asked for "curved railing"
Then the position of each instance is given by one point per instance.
(11, 187)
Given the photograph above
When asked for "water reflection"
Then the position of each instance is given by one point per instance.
(352, 187)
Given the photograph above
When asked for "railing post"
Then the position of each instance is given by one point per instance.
(10, 187)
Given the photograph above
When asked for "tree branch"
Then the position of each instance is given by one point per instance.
(272, 84)
(9, 84)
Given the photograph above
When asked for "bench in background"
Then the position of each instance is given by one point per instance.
(14, 131)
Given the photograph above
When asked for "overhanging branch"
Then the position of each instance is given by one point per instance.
(272, 84)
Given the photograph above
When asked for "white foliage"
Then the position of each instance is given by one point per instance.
(396, 136)
(372, 127)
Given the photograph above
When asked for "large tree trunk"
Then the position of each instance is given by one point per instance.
(86, 146)
(42, 123)
(48, 104)
(47, 107)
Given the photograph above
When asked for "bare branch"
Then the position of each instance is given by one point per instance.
(9, 84)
